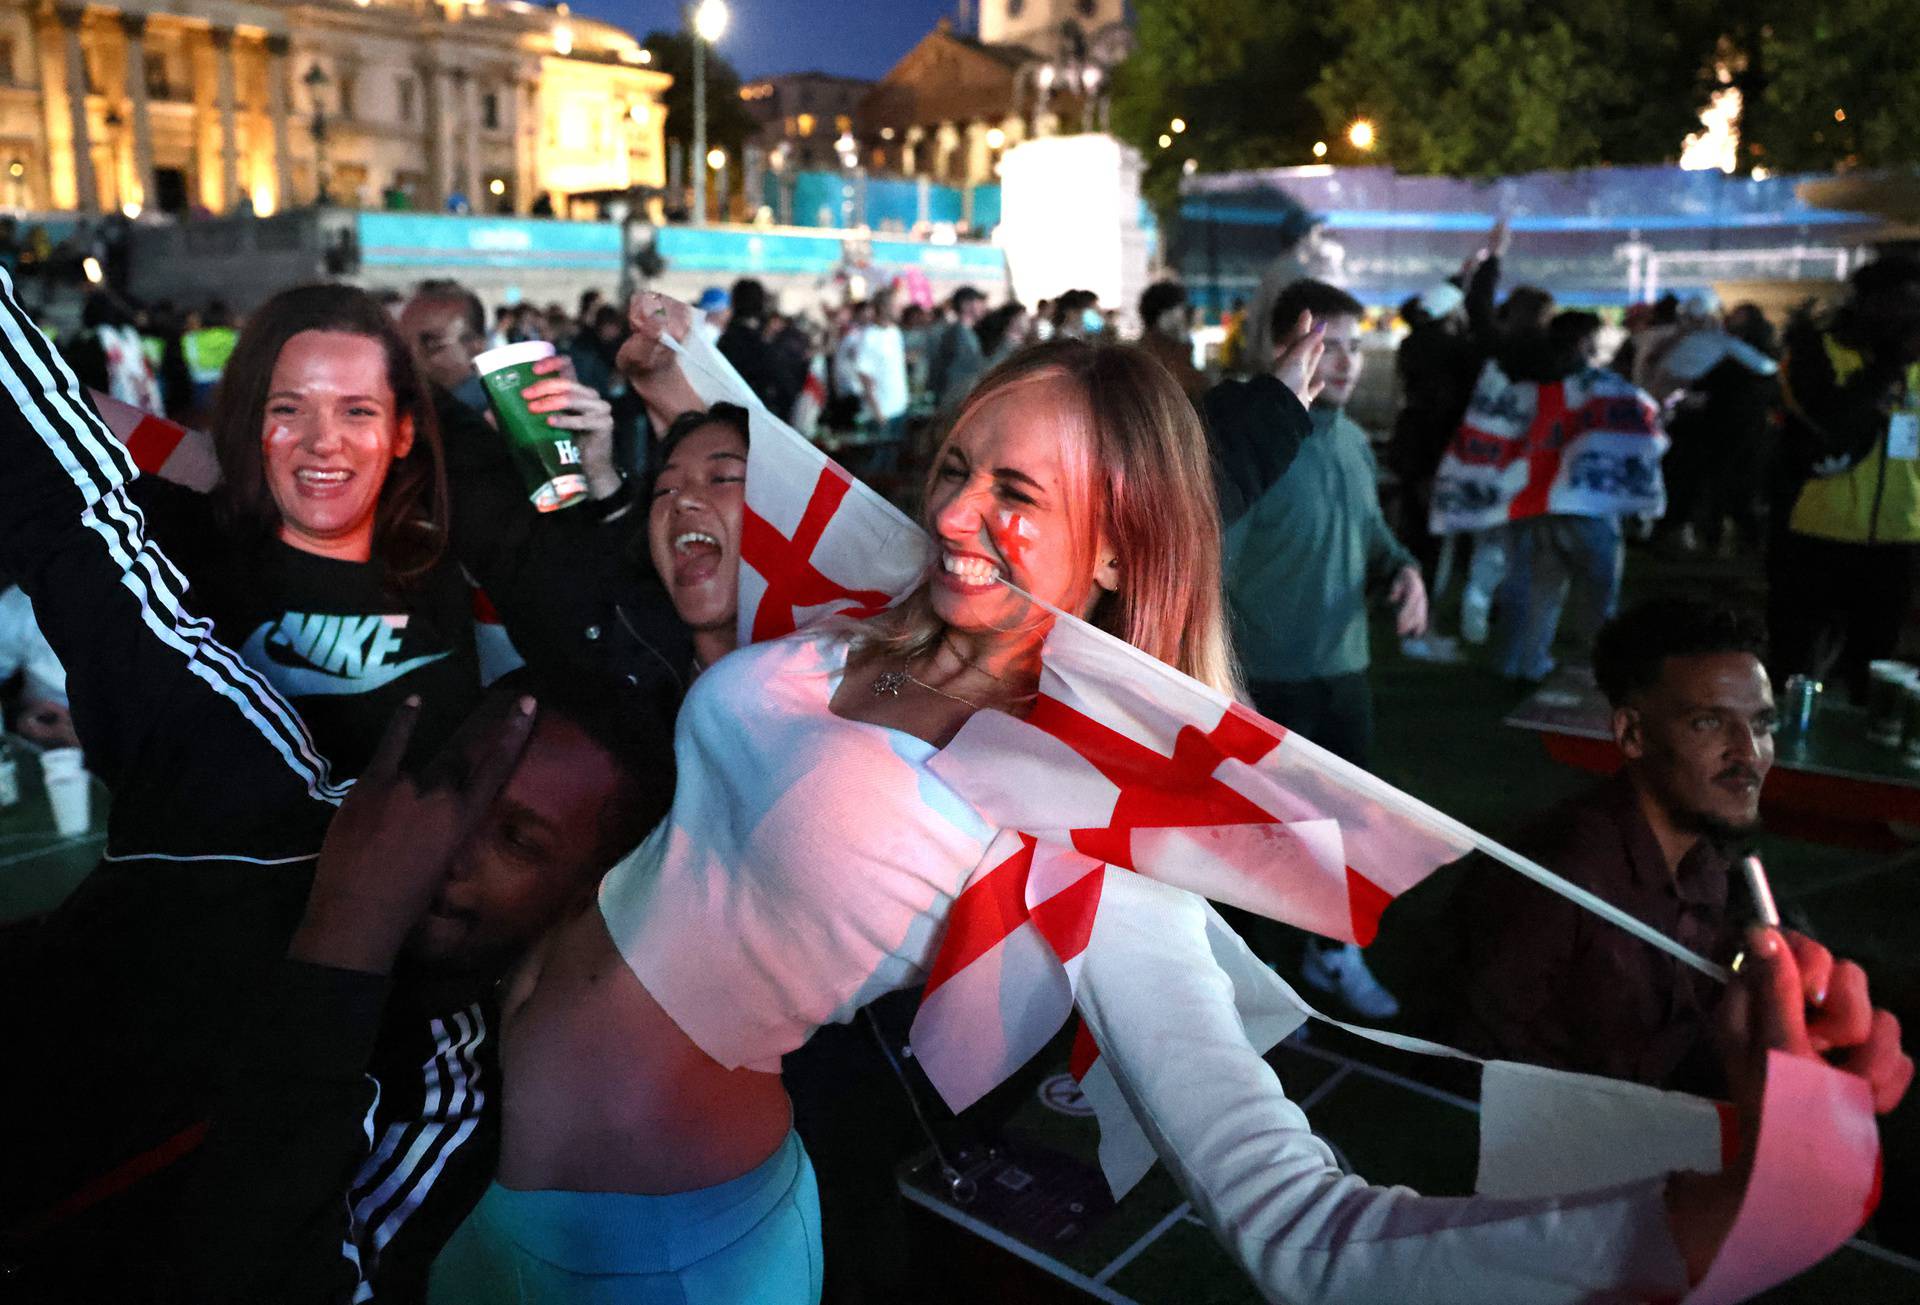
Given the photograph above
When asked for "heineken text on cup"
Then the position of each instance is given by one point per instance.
(549, 460)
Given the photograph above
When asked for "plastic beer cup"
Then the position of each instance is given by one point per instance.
(548, 459)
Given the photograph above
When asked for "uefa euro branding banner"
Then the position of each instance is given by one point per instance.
(1586, 446)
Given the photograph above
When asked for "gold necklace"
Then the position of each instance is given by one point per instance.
(891, 682)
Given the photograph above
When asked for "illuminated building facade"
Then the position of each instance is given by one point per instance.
(802, 116)
(956, 103)
(217, 105)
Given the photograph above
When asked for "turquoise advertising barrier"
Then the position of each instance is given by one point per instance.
(390, 239)
(831, 199)
(408, 239)
(740, 251)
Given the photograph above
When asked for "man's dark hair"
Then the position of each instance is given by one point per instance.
(1526, 309)
(749, 300)
(992, 329)
(1632, 649)
(1310, 296)
(1568, 331)
(448, 289)
(637, 735)
(1885, 274)
(1158, 298)
(965, 295)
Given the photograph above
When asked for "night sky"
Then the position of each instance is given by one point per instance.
(856, 38)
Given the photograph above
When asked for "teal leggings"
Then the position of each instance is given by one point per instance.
(752, 1241)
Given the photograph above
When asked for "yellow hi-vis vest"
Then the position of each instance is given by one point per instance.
(1877, 500)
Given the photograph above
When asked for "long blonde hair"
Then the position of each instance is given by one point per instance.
(1139, 461)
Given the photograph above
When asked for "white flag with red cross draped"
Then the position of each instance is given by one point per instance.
(1588, 445)
(814, 542)
(1124, 762)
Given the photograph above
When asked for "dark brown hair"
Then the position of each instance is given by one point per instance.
(410, 519)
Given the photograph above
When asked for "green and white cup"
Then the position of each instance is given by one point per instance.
(549, 460)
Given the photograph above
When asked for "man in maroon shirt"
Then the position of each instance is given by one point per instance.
(1544, 981)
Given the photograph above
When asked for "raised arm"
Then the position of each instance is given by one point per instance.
(202, 755)
(575, 597)
(1254, 428)
(650, 366)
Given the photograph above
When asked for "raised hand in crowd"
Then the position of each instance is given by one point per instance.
(571, 405)
(650, 365)
(1789, 995)
(389, 850)
(1297, 358)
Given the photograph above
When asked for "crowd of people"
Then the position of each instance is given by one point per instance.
(480, 921)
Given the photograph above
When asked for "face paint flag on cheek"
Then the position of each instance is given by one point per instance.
(1011, 534)
(814, 542)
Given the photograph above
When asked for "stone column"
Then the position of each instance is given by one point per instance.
(979, 165)
(536, 131)
(434, 120)
(946, 144)
(85, 185)
(279, 93)
(519, 97)
(134, 26)
(222, 38)
(467, 128)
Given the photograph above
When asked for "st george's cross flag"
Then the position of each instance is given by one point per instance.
(814, 542)
(160, 447)
(1131, 763)
(1124, 765)
(1588, 445)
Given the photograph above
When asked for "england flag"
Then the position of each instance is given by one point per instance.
(814, 542)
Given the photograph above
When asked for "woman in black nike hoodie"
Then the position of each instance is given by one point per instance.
(330, 555)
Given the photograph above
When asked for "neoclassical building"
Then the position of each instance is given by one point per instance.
(956, 102)
(212, 104)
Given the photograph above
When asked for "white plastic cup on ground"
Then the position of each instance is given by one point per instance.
(69, 790)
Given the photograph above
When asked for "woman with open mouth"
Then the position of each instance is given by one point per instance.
(693, 523)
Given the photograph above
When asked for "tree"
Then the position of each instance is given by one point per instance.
(728, 122)
(1830, 83)
(1482, 87)
(1236, 72)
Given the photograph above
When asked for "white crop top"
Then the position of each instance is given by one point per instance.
(806, 867)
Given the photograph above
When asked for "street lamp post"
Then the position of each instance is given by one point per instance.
(314, 81)
(709, 22)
